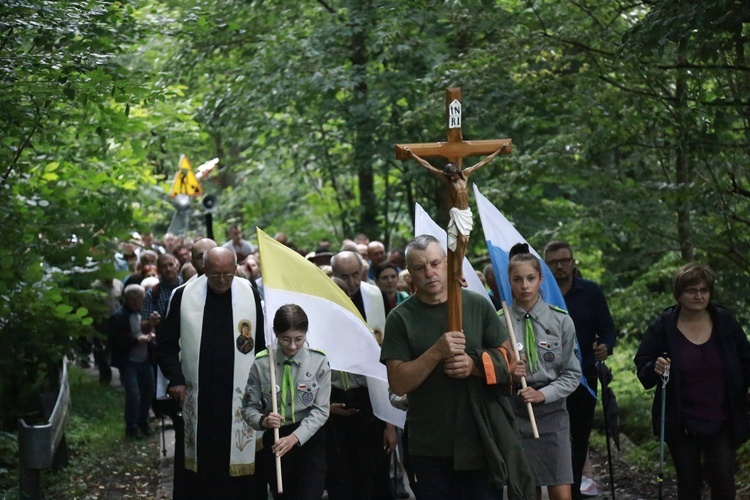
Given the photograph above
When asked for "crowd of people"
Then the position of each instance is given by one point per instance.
(190, 311)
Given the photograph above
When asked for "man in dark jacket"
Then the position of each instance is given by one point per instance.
(129, 347)
(596, 335)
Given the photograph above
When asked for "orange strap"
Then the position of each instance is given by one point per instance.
(506, 356)
(489, 369)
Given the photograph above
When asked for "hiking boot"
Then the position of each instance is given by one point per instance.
(133, 435)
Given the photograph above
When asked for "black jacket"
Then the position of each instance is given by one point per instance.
(662, 337)
(119, 337)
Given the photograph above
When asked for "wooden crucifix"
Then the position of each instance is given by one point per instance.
(459, 227)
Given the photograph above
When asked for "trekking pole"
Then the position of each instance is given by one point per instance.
(609, 458)
(163, 439)
(606, 433)
(660, 478)
(394, 482)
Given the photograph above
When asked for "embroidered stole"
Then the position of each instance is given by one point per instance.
(242, 451)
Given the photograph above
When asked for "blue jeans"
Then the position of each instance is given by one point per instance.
(436, 479)
(138, 381)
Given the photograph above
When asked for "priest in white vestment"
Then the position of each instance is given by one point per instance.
(207, 368)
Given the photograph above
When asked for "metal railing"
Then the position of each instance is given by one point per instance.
(43, 446)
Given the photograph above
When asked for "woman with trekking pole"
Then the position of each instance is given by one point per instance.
(697, 356)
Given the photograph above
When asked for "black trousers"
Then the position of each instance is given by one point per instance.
(581, 407)
(358, 465)
(437, 480)
(718, 454)
(303, 468)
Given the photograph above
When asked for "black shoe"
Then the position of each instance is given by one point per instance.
(133, 435)
(145, 430)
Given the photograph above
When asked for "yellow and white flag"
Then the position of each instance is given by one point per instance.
(336, 326)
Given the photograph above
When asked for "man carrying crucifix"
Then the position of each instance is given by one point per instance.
(461, 222)
(463, 440)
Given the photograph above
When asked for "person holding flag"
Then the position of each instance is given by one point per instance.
(350, 346)
(305, 393)
(552, 371)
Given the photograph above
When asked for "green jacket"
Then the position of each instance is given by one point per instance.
(493, 415)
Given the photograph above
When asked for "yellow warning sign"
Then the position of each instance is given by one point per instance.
(185, 181)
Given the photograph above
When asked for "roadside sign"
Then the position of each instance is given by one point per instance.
(185, 181)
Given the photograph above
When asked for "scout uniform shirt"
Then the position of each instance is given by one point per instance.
(347, 381)
(303, 397)
(558, 371)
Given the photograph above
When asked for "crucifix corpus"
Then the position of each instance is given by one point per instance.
(459, 227)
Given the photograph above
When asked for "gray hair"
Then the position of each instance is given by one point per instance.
(344, 254)
(133, 291)
(421, 242)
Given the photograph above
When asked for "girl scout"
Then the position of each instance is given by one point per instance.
(303, 402)
(552, 372)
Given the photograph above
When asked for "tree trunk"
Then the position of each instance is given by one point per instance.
(682, 169)
(362, 120)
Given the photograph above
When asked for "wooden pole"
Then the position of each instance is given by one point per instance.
(455, 303)
(513, 341)
(455, 307)
(275, 409)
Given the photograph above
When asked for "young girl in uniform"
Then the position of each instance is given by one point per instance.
(552, 372)
(303, 391)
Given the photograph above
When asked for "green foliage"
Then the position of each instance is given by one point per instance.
(102, 463)
(96, 420)
(606, 154)
(74, 162)
(8, 453)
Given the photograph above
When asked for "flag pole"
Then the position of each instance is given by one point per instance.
(509, 323)
(275, 409)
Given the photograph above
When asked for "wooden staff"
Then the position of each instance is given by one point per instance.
(509, 323)
(275, 409)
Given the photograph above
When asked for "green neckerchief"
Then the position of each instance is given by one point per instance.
(287, 388)
(345, 380)
(530, 341)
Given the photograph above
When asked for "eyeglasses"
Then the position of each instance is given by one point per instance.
(696, 291)
(289, 341)
(555, 262)
(221, 276)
